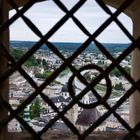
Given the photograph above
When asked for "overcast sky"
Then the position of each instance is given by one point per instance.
(45, 14)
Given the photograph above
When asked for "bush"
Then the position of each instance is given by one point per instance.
(116, 72)
(119, 86)
(44, 75)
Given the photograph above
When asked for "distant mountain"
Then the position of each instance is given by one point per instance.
(70, 46)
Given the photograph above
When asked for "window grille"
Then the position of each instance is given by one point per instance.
(104, 73)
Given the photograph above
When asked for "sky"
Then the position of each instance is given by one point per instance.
(46, 14)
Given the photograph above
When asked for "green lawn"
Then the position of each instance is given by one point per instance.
(102, 88)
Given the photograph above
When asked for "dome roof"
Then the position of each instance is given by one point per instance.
(88, 117)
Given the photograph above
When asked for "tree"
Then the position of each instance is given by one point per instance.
(119, 86)
(64, 72)
(43, 75)
(127, 69)
(35, 108)
(18, 53)
(45, 64)
(87, 76)
(116, 72)
(21, 112)
(31, 62)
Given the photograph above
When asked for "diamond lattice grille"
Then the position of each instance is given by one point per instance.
(67, 63)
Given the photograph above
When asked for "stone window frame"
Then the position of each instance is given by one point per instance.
(6, 69)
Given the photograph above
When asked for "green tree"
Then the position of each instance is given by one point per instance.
(21, 112)
(87, 76)
(18, 53)
(45, 64)
(31, 62)
(127, 69)
(43, 75)
(119, 86)
(116, 72)
(35, 108)
(64, 72)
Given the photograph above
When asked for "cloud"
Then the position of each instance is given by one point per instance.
(46, 14)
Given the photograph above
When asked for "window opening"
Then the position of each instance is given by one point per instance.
(44, 69)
